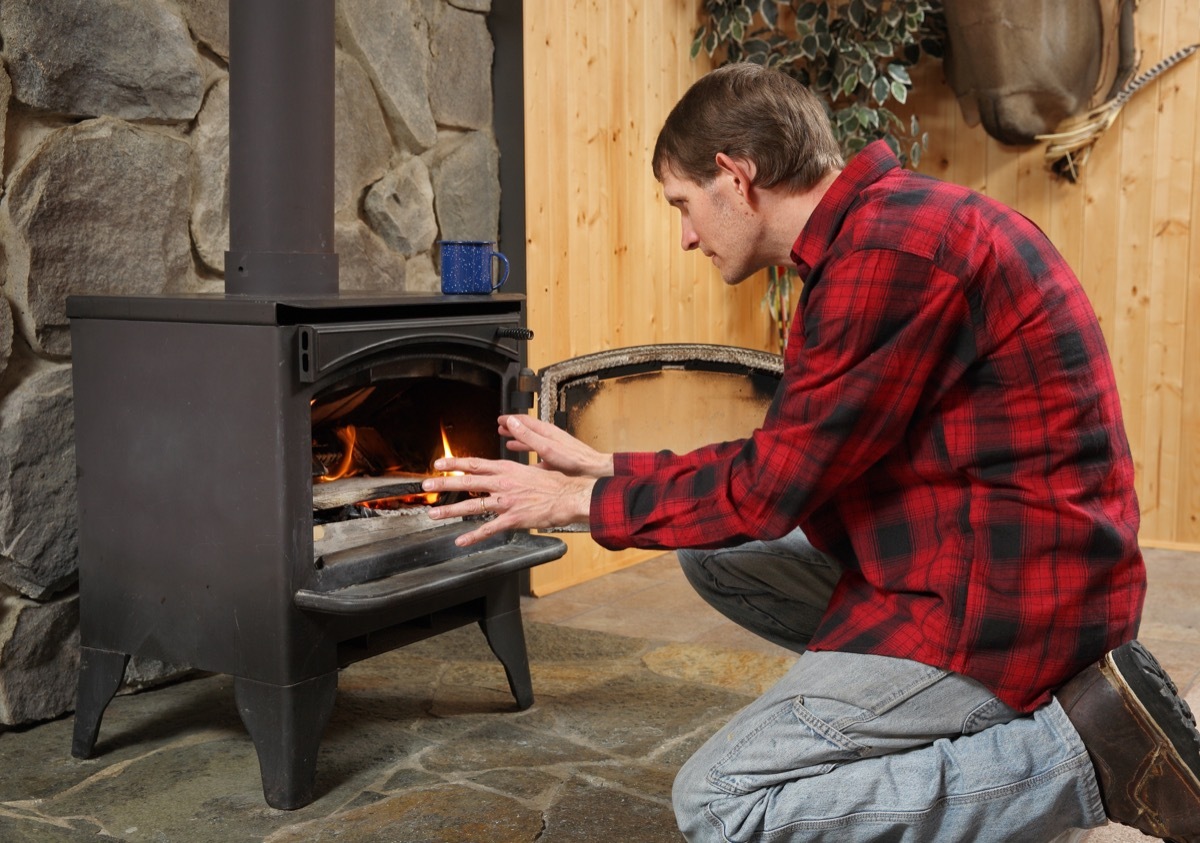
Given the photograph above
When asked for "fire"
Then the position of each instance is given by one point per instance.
(348, 436)
(431, 498)
(447, 452)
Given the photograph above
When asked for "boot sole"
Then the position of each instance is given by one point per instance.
(1133, 670)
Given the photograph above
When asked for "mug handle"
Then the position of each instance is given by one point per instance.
(503, 274)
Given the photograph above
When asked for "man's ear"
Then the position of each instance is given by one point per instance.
(741, 171)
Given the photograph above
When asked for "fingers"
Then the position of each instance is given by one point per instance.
(474, 507)
(485, 530)
(474, 467)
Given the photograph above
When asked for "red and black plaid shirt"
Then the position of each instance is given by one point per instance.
(947, 427)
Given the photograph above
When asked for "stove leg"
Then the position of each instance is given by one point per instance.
(285, 722)
(100, 675)
(506, 637)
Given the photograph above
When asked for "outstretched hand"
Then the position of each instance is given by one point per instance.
(521, 497)
(556, 449)
(554, 493)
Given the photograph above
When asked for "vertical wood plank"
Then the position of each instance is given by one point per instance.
(1174, 161)
(1134, 283)
(606, 269)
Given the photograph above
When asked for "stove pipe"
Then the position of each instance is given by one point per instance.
(281, 148)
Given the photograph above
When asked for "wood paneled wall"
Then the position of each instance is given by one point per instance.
(1127, 229)
(606, 270)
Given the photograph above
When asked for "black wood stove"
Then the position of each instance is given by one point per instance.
(206, 425)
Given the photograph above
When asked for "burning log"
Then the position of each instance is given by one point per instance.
(352, 490)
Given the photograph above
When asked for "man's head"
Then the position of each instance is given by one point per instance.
(744, 157)
(751, 113)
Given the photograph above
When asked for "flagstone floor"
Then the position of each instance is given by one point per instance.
(631, 672)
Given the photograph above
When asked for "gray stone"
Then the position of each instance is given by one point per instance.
(37, 483)
(528, 784)
(460, 84)
(390, 38)
(39, 830)
(101, 207)
(209, 22)
(472, 5)
(399, 208)
(508, 745)
(6, 332)
(39, 658)
(632, 714)
(364, 148)
(5, 97)
(450, 814)
(363, 153)
(142, 673)
(465, 171)
(420, 274)
(364, 261)
(210, 178)
(124, 58)
(584, 814)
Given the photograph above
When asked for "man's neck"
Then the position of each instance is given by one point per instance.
(787, 213)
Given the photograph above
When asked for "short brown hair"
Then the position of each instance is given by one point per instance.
(748, 111)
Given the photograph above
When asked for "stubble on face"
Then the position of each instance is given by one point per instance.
(733, 237)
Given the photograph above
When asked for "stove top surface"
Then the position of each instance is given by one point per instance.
(347, 306)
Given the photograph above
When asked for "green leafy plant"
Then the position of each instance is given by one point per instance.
(855, 56)
(777, 301)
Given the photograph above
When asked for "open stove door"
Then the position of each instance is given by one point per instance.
(677, 397)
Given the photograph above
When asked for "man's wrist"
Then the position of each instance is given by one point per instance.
(583, 500)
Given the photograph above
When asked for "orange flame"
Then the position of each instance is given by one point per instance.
(447, 452)
(348, 435)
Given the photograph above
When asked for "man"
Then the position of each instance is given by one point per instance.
(938, 511)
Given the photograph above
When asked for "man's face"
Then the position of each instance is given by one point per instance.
(717, 221)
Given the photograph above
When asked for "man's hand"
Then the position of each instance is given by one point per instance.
(522, 497)
(558, 450)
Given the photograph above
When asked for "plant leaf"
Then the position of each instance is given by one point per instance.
(770, 13)
(856, 13)
(880, 89)
(900, 73)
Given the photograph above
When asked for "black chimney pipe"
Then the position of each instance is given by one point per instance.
(281, 148)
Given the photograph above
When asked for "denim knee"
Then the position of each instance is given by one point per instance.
(691, 795)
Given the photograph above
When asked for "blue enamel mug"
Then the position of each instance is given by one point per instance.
(467, 267)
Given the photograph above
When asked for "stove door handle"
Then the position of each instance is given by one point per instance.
(506, 332)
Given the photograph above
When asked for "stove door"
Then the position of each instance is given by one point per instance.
(654, 397)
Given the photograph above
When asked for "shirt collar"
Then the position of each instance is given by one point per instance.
(866, 168)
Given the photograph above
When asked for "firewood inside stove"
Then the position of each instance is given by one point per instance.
(352, 490)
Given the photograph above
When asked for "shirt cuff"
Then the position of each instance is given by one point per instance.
(634, 463)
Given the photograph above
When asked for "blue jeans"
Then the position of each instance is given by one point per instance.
(851, 747)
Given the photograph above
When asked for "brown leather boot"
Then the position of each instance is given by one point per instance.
(1142, 740)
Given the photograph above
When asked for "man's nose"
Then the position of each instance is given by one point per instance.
(689, 240)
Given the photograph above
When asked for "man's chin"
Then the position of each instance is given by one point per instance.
(733, 278)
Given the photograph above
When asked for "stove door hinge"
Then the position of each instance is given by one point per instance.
(520, 400)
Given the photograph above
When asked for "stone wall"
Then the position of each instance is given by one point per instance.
(114, 141)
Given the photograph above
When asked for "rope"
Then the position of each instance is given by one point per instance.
(1068, 150)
